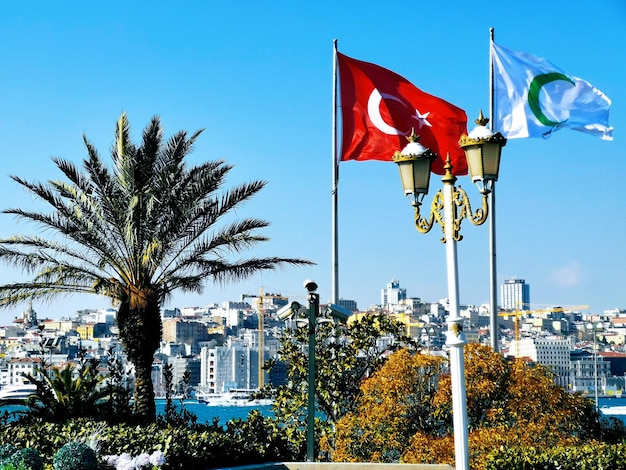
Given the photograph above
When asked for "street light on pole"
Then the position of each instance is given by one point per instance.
(449, 207)
(593, 329)
(338, 314)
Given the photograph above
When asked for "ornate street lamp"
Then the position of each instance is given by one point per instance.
(483, 149)
(449, 207)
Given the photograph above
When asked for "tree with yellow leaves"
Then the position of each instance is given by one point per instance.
(405, 411)
(394, 404)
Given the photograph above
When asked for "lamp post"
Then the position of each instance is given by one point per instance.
(593, 329)
(314, 304)
(338, 314)
(449, 207)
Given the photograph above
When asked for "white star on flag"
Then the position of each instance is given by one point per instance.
(422, 118)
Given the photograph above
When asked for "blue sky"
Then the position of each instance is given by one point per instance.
(257, 76)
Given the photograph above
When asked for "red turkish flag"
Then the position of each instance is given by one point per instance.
(379, 109)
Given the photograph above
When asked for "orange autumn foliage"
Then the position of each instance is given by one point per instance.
(405, 411)
(393, 405)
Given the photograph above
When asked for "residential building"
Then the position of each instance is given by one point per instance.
(588, 371)
(92, 330)
(182, 364)
(228, 367)
(179, 330)
(18, 367)
(348, 305)
(552, 352)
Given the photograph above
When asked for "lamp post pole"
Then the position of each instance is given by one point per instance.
(455, 336)
(595, 367)
(448, 209)
(493, 278)
(595, 364)
(593, 329)
(314, 301)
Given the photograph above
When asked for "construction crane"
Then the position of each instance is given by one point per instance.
(518, 314)
(261, 328)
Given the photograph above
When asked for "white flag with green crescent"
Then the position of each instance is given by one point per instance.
(534, 98)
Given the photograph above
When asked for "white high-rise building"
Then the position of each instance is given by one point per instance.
(515, 295)
(392, 295)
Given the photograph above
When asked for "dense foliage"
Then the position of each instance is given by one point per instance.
(405, 411)
(27, 458)
(75, 456)
(185, 447)
(73, 391)
(344, 356)
(592, 456)
(135, 233)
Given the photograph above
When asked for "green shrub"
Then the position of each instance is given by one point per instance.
(6, 451)
(10, 466)
(75, 456)
(185, 447)
(28, 458)
(587, 456)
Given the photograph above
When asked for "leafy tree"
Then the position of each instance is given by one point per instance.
(395, 404)
(118, 405)
(67, 393)
(344, 356)
(135, 233)
(175, 416)
(508, 404)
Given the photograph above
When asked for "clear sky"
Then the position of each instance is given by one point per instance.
(258, 77)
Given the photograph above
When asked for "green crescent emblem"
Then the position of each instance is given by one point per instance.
(533, 95)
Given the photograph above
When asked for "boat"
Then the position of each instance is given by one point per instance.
(17, 392)
(234, 397)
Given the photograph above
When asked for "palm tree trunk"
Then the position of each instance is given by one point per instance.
(144, 406)
(140, 334)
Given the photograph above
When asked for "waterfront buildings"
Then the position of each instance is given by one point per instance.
(216, 347)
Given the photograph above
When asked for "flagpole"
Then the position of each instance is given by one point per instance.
(493, 277)
(335, 169)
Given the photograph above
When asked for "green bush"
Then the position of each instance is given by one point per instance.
(28, 458)
(200, 446)
(10, 466)
(583, 457)
(7, 450)
(75, 456)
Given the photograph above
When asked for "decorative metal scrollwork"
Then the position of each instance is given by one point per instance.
(461, 209)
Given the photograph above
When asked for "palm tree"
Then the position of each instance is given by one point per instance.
(70, 392)
(135, 234)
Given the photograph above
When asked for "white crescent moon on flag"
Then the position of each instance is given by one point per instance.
(373, 111)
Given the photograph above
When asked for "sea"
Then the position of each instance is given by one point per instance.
(206, 414)
(609, 407)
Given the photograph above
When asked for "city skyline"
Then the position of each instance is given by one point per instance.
(392, 293)
(258, 78)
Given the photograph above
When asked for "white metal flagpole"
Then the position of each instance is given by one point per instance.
(493, 276)
(335, 184)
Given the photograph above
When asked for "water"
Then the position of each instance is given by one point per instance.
(615, 407)
(206, 413)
